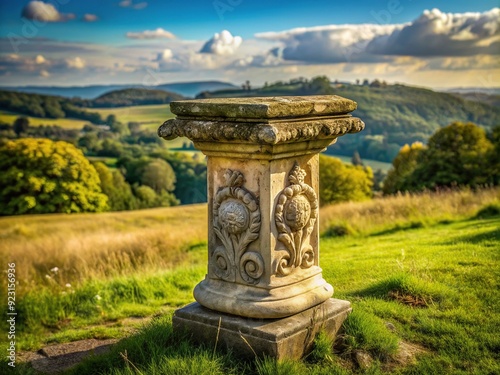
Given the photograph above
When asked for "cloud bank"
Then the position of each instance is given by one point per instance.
(436, 33)
(433, 34)
(159, 33)
(222, 43)
(44, 12)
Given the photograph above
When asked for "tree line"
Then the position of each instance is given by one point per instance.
(460, 154)
(132, 169)
(394, 115)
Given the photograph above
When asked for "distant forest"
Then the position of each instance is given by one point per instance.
(394, 115)
(46, 106)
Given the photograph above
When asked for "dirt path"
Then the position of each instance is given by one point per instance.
(56, 358)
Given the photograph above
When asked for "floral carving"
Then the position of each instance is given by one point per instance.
(295, 216)
(236, 222)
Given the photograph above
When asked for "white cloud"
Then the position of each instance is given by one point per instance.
(44, 74)
(464, 62)
(130, 4)
(90, 17)
(328, 44)
(159, 33)
(189, 60)
(436, 33)
(44, 12)
(271, 58)
(222, 43)
(39, 59)
(75, 63)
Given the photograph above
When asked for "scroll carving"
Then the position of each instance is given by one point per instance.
(295, 216)
(236, 222)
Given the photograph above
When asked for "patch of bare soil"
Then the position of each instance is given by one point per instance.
(54, 359)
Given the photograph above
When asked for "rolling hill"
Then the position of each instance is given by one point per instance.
(394, 114)
(89, 92)
(133, 97)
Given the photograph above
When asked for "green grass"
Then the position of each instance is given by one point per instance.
(437, 285)
(66, 123)
(150, 116)
(373, 164)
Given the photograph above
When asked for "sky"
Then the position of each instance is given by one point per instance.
(436, 44)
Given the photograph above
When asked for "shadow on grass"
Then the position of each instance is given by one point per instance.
(408, 290)
(399, 228)
(491, 235)
(157, 349)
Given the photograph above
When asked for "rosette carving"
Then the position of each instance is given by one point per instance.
(236, 222)
(295, 216)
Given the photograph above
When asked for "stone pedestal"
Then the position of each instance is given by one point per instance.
(291, 337)
(263, 239)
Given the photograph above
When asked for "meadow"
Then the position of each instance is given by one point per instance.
(421, 272)
(66, 123)
(150, 116)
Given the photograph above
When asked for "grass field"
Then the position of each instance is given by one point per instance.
(426, 266)
(67, 123)
(150, 116)
(373, 164)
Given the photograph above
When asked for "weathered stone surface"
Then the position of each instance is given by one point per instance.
(263, 170)
(262, 108)
(274, 132)
(290, 337)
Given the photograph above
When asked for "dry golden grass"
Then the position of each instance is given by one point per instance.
(96, 246)
(406, 209)
(89, 246)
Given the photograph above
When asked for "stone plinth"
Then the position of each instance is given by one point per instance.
(290, 337)
(263, 241)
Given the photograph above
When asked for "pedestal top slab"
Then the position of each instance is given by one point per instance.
(262, 121)
(264, 107)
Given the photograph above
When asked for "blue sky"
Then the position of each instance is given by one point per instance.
(72, 42)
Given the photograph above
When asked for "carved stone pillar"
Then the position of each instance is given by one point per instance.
(263, 241)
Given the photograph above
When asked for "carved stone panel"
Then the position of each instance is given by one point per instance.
(295, 215)
(236, 222)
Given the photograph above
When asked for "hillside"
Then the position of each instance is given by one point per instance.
(491, 99)
(410, 265)
(194, 88)
(57, 107)
(133, 97)
(93, 91)
(394, 114)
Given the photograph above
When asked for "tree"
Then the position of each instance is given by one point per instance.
(494, 158)
(113, 184)
(134, 127)
(146, 196)
(403, 166)
(21, 125)
(457, 155)
(41, 176)
(356, 159)
(339, 182)
(159, 176)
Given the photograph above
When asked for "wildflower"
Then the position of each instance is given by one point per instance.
(48, 277)
(97, 297)
(54, 270)
(68, 285)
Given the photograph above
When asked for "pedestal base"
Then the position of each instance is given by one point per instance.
(291, 337)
